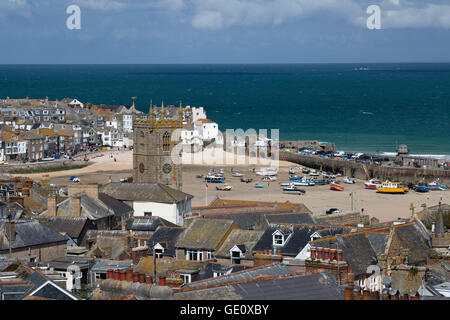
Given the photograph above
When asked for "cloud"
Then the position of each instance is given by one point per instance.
(431, 15)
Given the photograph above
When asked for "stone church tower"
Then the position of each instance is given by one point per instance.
(152, 161)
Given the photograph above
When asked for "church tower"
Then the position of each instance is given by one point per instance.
(152, 158)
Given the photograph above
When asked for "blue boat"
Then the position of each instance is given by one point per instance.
(215, 178)
(421, 187)
(295, 178)
(259, 186)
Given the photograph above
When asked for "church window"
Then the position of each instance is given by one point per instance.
(166, 141)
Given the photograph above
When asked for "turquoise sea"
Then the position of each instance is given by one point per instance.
(359, 107)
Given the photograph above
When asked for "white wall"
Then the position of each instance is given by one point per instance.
(166, 211)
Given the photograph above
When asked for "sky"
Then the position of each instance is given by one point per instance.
(223, 31)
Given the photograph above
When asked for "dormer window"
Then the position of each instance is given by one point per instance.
(159, 250)
(315, 236)
(236, 253)
(280, 237)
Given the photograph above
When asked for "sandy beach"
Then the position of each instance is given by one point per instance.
(384, 207)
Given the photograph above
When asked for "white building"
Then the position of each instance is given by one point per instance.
(152, 199)
(76, 103)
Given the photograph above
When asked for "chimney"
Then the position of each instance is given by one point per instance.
(319, 252)
(326, 252)
(51, 204)
(135, 276)
(348, 293)
(142, 277)
(109, 274)
(313, 253)
(162, 281)
(116, 274)
(123, 275)
(332, 254)
(76, 206)
(129, 275)
(339, 254)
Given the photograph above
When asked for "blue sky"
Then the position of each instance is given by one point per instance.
(224, 31)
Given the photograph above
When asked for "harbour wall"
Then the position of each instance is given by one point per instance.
(41, 166)
(359, 170)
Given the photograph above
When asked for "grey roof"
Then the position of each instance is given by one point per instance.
(271, 270)
(244, 239)
(73, 226)
(103, 265)
(204, 234)
(117, 206)
(318, 286)
(166, 237)
(65, 262)
(378, 241)
(156, 192)
(30, 233)
(357, 250)
(147, 223)
(416, 240)
(298, 218)
(91, 208)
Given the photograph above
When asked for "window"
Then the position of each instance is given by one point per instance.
(147, 214)
(166, 141)
(209, 255)
(186, 277)
(278, 239)
(194, 255)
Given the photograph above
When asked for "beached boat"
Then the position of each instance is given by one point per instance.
(291, 171)
(259, 185)
(320, 182)
(349, 181)
(328, 175)
(237, 174)
(334, 185)
(421, 187)
(246, 180)
(435, 185)
(392, 187)
(199, 176)
(224, 188)
(284, 184)
(314, 173)
(293, 190)
(295, 178)
(268, 179)
(372, 184)
(215, 178)
(306, 171)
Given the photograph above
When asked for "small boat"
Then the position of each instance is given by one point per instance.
(334, 185)
(392, 187)
(285, 184)
(237, 174)
(293, 190)
(220, 171)
(215, 178)
(421, 187)
(224, 188)
(199, 176)
(267, 172)
(372, 184)
(435, 185)
(306, 171)
(47, 159)
(295, 178)
(259, 185)
(328, 175)
(349, 181)
(300, 183)
(314, 173)
(291, 171)
(246, 180)
(268, 179)
(74, 179)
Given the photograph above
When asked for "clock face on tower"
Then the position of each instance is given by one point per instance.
(167, 168)
(141, 168)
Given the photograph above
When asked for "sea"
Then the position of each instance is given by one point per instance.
(359, 107)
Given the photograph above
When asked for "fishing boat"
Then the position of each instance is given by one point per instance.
(314, 173)
(320, 182)
(291, 171)
(392, 187)
(328, 175)
(372, 184)
(285, 184)
(435, 185)
(259, 185)
(268, 179)
(300, 183)
(349, 181)
(334, 185)
(421, 187)
(295, 178)
(293, 190)
(215, 178)
(224, 188)
(306, 171)
(237, 174)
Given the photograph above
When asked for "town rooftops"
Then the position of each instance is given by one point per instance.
(147, 223)
(166, 237)
(155, 192)
(245, 240)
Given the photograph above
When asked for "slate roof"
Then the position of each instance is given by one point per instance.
(204, 234)
(356, 247)
(245, 238)
(103, 265)
(298, 218)
(117, 206)
(270, 270)
(378, 241)
(412, 236)
(91, 208)
(246, 220)
(300, 236)
(318, 286)
(147, 223)
(71, 225)
(31, 233)
(155, 192)
(166, 237)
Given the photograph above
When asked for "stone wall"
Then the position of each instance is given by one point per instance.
(43, 253)
(344, 219)
(356, 169)
(41, 166)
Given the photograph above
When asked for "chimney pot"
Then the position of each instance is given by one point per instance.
(135, 276)
(109, 274)
(326, 252)
(129, 276)
(122, 275)
(116, 274)
(319, 252)
(162, 281)
(313, 252)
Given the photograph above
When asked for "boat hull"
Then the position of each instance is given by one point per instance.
(336, 187)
